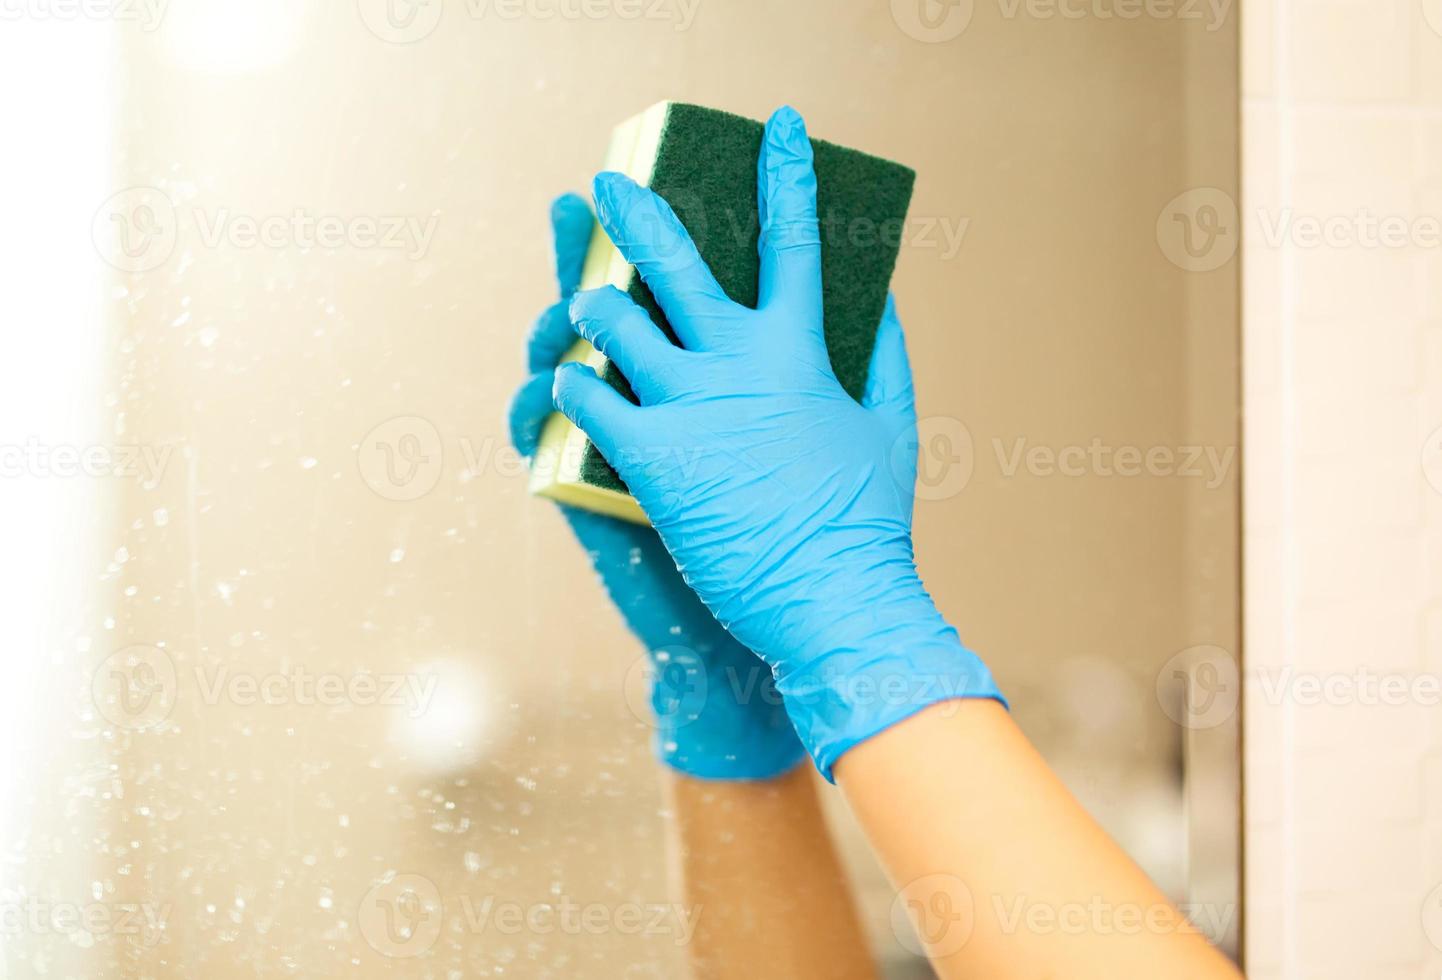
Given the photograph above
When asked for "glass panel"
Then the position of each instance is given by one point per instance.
(339, 667)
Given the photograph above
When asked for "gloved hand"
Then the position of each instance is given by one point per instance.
(786, 505)
(718, 714)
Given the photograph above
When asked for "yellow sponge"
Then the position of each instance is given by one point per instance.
(703, 162)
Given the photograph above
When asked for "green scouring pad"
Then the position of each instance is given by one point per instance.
(703, 162)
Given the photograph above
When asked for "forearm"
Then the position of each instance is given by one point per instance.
(1005, 874)
(756, 858)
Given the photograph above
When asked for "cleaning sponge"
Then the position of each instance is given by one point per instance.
(703, 162)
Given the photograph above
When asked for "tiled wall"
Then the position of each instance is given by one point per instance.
(1342, 312)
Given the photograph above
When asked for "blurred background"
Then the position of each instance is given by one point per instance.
(288, 626)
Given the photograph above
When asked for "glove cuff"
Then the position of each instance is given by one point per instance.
(855, 691)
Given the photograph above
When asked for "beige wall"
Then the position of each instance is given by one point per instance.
(1344, 488)
(275, 540)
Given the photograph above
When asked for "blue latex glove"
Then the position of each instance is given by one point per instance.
(718, 714)
(786, 505)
